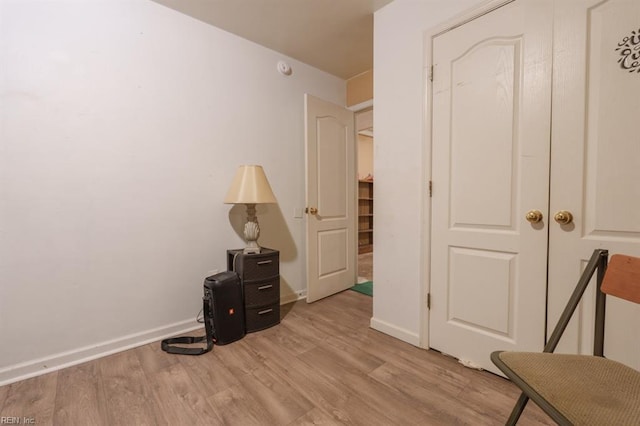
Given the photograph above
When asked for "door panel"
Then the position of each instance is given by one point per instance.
(491, 124)
(485, 73)
(333, 259)
(331, 177)
(595, 171)
(332, 153)
(485, 278)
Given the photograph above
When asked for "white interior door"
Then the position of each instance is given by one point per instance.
(490, 166)
(331, 197)
(595, 168)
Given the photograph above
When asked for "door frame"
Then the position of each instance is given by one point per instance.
(425, 268)
(357, 109)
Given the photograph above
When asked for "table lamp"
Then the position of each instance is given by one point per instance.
(250, 187)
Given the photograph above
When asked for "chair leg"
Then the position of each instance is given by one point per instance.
(518, 409)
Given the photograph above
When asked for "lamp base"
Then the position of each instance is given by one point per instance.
(251, 233)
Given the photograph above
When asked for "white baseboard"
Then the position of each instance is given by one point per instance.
(293, 297)
(48, 364)
(37, 367)
(394, 331)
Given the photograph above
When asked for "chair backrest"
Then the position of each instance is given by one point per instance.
(622, 278)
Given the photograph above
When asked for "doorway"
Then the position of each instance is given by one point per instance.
(364, 146)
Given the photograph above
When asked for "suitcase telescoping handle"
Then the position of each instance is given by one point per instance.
(208, 337)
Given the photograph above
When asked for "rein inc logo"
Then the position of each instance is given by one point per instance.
(16, 420)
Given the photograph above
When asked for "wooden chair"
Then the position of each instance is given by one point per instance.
(582, 389)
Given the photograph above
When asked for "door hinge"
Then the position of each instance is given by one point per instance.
(428, 300)
(430, 189)
(431, 73)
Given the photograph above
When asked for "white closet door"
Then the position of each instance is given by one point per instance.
(491, 127)
(595, 167)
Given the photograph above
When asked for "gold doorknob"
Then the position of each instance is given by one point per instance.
(563, 217)
(534, 216)
(311, 210)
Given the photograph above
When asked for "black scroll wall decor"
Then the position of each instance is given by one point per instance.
(629, 49)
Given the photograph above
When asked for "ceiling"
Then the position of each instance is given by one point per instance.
(335, 36)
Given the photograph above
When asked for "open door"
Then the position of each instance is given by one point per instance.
(330, 198)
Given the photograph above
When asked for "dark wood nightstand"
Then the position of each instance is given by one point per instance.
(260, 277)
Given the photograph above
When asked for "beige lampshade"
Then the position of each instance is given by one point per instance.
(250, 186)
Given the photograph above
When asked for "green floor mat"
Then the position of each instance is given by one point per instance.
(364, 288)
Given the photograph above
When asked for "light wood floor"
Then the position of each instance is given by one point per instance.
(321, 365)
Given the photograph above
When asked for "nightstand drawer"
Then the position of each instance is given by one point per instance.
(260, 266)
(262, 293)
(263, 317)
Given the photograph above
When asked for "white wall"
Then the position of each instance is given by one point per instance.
(401, 161)
(122, 124)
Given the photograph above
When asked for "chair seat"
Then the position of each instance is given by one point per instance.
(585, 390)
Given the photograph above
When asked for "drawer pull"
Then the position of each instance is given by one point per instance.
(265, 287)
(266, 311)
(264, 262)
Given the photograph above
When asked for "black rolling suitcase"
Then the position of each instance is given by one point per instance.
(223, 315)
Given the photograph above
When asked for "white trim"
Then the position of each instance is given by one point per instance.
(395, 331)
(425, 228)
(40, 366)
(467, 16)
(361, 106)
(425, 270)
(291, 297)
